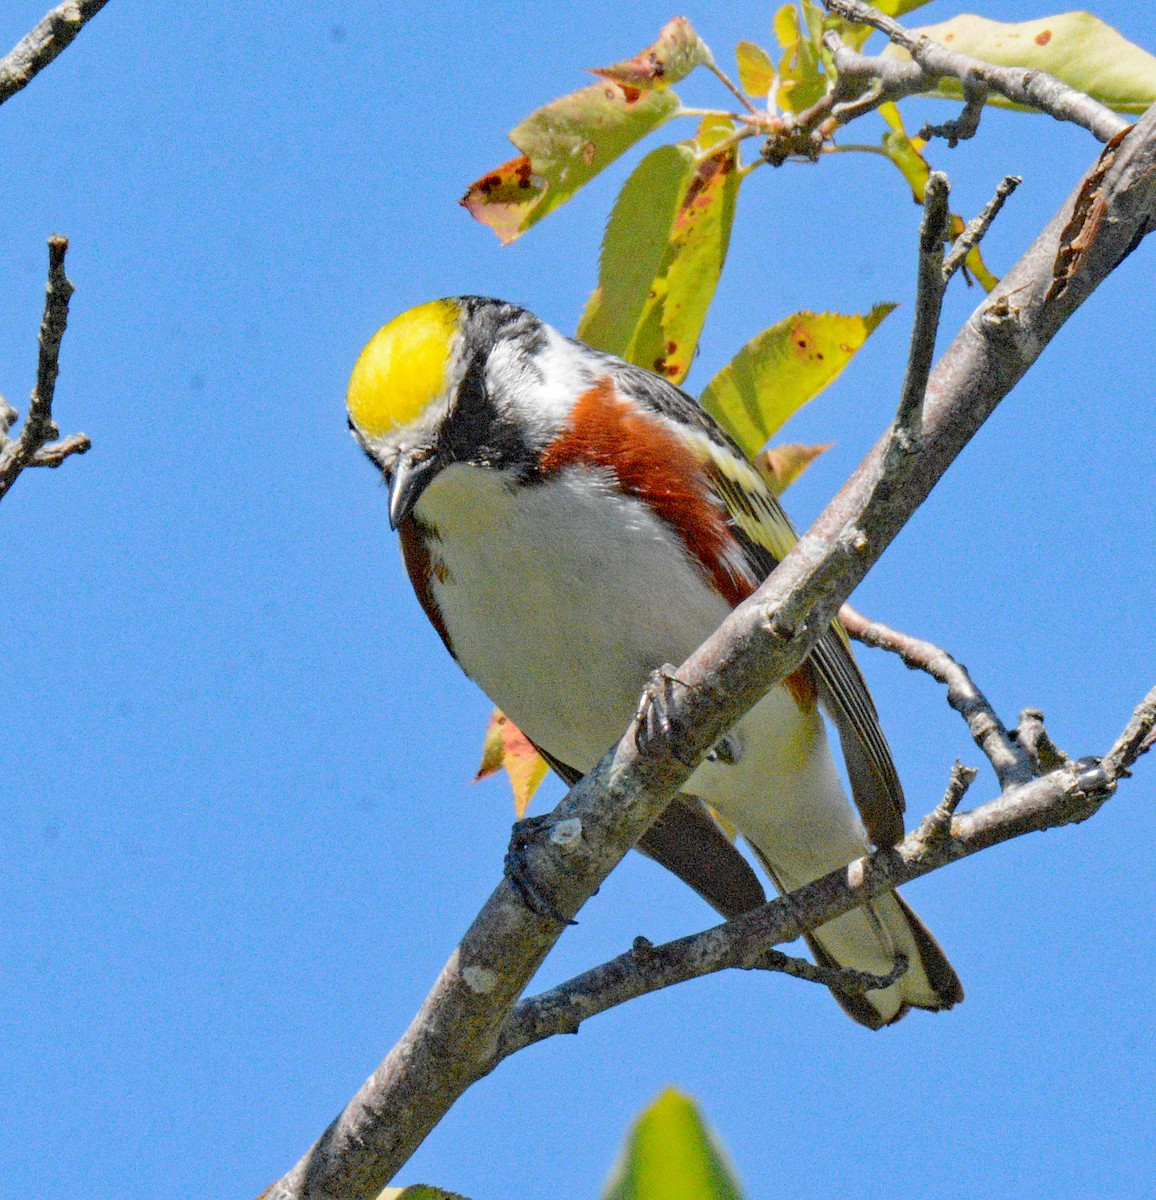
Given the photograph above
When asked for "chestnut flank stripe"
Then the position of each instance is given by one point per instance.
(652, 463)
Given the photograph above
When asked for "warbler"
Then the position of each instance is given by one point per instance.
(571, 523)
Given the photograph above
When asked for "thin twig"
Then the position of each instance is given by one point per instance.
(936, 826)
(978, 226)
(1006, 756)
(966, 125)
(730, 86)
(840, 979)
(30, 448)
(933, 232)
(933, 62)
(37, 48)
(1034, 738)
(1137, 739)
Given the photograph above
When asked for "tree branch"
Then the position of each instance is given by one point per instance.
(453, 1039)
(1071, 793)
(1007, 757)
(55, 31)
(932, 62)
(30, 449)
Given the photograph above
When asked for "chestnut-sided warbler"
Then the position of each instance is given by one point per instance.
(570, 523)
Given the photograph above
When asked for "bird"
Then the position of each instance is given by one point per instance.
(570, 523)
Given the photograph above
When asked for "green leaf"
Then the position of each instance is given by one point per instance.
(567, 142)
(670, 1154)
(783, 367)
(634, 247)
(663, 253)
(1075, 47)
(676, 53)
(801, 82)
(896, 8)
(756, 70)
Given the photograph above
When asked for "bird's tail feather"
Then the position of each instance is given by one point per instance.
(869, 939)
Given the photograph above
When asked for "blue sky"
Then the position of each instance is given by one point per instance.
(240, 834)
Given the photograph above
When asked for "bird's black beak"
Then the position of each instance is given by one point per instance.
(408, 479)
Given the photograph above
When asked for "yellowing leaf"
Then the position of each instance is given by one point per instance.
(670, 1154)
(563, 146)
(801, 82)
(756, 70)
(781, 465)
(505, 745)
(1075, 47)
(780, 369)
(786, 26)
(676, 53)
(664, 250)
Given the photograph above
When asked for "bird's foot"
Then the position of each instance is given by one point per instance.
(516, 869)
(653, 719)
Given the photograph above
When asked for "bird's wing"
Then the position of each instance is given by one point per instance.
(689, 842)
(765, 535)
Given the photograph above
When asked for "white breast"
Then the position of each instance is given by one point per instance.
(561, 597)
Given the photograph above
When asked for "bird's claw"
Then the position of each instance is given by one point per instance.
(516, 869)
(653, 719)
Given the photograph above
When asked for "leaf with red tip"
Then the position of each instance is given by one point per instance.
(676, 53)
(781, 465)
(564, 144)
(505, 745)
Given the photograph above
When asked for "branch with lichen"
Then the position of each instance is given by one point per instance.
(35, 446)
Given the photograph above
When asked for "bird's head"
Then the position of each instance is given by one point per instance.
(452, 381)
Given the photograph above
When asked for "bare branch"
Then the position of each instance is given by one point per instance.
(978, 226)
(933, 232)
(1067, 795)
(39, 427)
(1137, 739)
(932, 62)
(1007, 757)
(453, 1039)
(37, 48)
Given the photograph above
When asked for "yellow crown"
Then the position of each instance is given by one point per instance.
(402, 368)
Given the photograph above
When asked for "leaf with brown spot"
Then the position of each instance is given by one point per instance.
(756, 70)
(781, 369)
(781, 465)
(505, 745)
(676, 53)
(564, 145)
(664, 249)
(1075, 47)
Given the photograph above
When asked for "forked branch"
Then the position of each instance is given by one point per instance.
(34, 447)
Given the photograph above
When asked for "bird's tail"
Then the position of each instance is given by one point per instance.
(869, 939)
